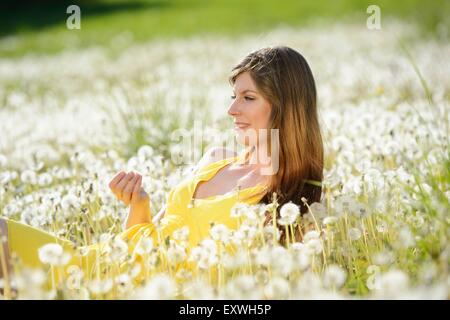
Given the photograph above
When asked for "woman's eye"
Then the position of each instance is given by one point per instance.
(246, 98)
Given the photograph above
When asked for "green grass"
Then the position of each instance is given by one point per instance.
(41, 28)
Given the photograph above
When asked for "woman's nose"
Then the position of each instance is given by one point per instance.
(233, 110)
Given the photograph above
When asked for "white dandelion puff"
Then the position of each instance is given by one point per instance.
(289, 213)
(220, 232)
(334, 277)
(54, 254)
(354, 233)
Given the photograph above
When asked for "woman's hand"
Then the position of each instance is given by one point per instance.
(127, 188)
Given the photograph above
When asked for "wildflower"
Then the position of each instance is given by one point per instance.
(160, 287)
(354, 233)
(262, 277)
(281, 260)
(144, 246)
(45, 179)
(270, 207)
(220, 232)
(123, 282)
(53, 254)
(271, 233)
(312, 234)
(308, 284)
(248, 233)
(289, 212)
(382, 227)
(205, 255)
(145, 152)
(239, 209)
(359, 210)
(98, 287)
(393, 284)
(315, 246)
(329, 221)
(319, 210)
(263, 256)
(7, 176)
(196, 253)
(374, 180)
(260, 209)
(29, 177)
(198, 290)
(251, 217)
(119, 250)
(277, 288)
(3, 161)
(302, 259)
(383, 257)
(70, 202)
(334, 277)
(176, 253)
(344, 204)
(63, 173)
(243, 287)
(181, 234)
(405, 238)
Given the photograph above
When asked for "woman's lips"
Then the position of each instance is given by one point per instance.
(240, 125)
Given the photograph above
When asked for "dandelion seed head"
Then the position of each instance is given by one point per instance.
(354, 234)
(160, 287)
(289, 212)
(220, 232)
(98, 287)
(334, 277)
(310, 235)
(53, 254)
(29, 177)
(277, 288)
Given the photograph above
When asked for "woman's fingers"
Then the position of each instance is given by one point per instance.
(113, 185)
(114, 181)
(128, 189)
(122, 184)
(135, 196)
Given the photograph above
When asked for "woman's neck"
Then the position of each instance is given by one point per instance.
(256, 158)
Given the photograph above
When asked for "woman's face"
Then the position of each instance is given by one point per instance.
(249, 109)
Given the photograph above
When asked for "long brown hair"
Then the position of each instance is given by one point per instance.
(284, 78)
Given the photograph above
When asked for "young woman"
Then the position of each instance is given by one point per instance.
(274, 89)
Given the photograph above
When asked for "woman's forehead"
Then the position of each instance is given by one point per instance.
(244, 82)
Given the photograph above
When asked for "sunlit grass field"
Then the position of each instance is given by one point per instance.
(116, 24)
(71, 119)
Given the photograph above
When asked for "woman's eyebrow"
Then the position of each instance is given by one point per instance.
(248, 90)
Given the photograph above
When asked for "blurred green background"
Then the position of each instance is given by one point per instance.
(40, 26)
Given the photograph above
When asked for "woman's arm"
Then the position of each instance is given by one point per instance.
(139, 213)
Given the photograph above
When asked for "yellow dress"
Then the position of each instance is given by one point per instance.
(181, 210)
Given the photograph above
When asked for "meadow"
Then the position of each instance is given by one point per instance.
(72, 118)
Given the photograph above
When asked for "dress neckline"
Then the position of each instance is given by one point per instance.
(235, 191)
